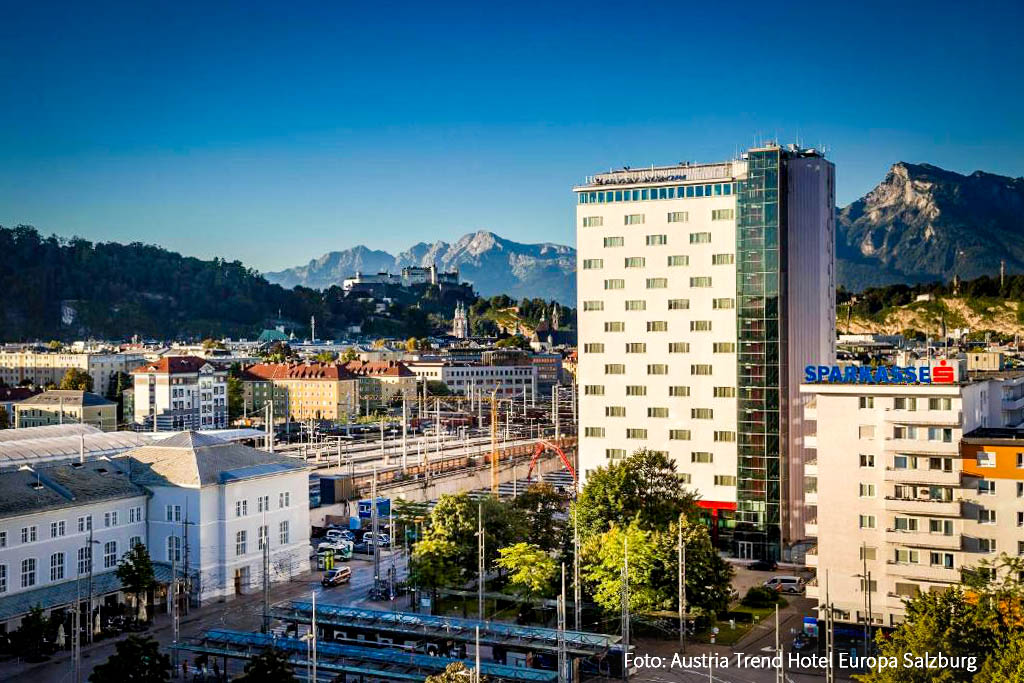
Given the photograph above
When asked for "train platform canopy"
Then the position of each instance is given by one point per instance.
(372, 662)
(454, 628)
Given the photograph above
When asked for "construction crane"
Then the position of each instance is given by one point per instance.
(548, 446)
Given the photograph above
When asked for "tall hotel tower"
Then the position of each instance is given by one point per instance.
(704, 289)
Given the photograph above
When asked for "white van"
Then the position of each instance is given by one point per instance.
(786, 584)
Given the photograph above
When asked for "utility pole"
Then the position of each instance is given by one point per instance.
(682, 590)
(92, 558)
(175, 626)
(266, 575)
(186, 574)
(494, 443)
(373, 528)
(405, 444)
(76, 638)
(625, 606)
(480, 560)
(563, 673)
(780, 670)
(313, 625)
(830, 674)
(383, 449)
(554, 407)
(577, 597)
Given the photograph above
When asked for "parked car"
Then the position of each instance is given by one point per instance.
(339, 546)
(786, 584)
(340, 534)
(804, 642)
(765, 565)
(336, 577)
(382, 539)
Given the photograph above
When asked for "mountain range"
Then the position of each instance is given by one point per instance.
(920, 224)
(492, 264)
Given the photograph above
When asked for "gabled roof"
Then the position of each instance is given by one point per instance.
(383, 368)
(194, 460)
(281, 371)
(173, 365)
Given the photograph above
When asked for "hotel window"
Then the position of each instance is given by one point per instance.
(701, 369)
(725, 480)
(634, 219)
(596, 432)
(3, 578)
(657, 240)
(700, 237)
(57, 529)
(678, 391)
(987, 545)
(866, 402)
(240, 543)
(263, 537)
(700, 326)
(867, 490)
(593, 305)
(283, 532)
(593, 347)
(721, 214)
(722, 259)
(593, 390)
(635, 262)
(615, 369)
(613, 453)
(613, 241)
(678, 216)
(636, 347)
(657, 326)
(867, 521)
(28, 534)
(135, 541)
(724, 347)
(57, 567)
(723, 304)
(867, 553)
(679, 435)
(679, 347)
(593, 221)
(940, 404)
(941, 560)
(110, 554)
(1020, 489)
(724, 392)
(679, 260)
(725, 436)
(903, 403)
(241, 508)
(700, 282)
(657, 412)
(1020, 519)
(943, 434)
(942, 527)
(28, 572)
(867, 460)
(636, 305)
(635, 433)
(986, 516)
(615, 326)
(986, 487)
(702, 457)
(986, 459)
(615, 411)
(3, 539)
(85, 560)
(678, 304)
(636, 390)
(702, 414)
(657, 282)
(615, 284)
(657, 369)
(593, 263)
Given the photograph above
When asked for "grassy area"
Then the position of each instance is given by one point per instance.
(730, 636)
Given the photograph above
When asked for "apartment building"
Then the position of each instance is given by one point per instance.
(510, 381)
(66, 406)
(48, 367)
(181, 392)
(60, 526)
(702, 289)
(302, 391)
(920, 480)
(382, 382)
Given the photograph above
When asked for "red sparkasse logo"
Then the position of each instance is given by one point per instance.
(942, 374)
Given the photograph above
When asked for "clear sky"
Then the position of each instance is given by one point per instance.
(275, 132)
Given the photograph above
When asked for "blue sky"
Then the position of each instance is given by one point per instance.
(275, 132)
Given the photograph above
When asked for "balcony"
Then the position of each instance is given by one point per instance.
(813, 590)
(935, 418)
(923, 539)
(811, 468)
(1013, 403)
(811, 441)
(928, 508)
(811, 527)
(924, 477)
(923, 447)
(811, 557)
(923, 572)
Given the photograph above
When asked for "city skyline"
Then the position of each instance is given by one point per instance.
(225, 131)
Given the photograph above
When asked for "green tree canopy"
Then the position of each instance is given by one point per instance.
(135, 570)
(137, 659)
(542, 504)
(435, 563)
(644, 488)
(269, 666)
(456, 672)
(77, 380)
(532, 571)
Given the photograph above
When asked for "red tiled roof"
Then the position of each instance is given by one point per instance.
(173, 365)
(389, 368)
(272, 371)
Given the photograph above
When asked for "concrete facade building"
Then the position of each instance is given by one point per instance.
(49, 367)
(302, 391)
(905, 497)
(383, 381)
(181, 392)
(65, 406)
(510, 381)
(703, 289)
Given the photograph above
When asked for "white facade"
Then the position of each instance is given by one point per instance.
(49, 367)
(511, 381)
(889, 492)
(181, 392)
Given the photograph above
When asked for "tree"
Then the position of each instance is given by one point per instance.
(54, 345)
(436, 387)
(542, 506)
(532, 571)
(236, 398)
(456, 672)
(644, 488)
(135, 570)
(454, 518)
(327, 357)
(269, 666)
(514, 342)
(136, 658)
(30, 634)
(209, 344)
(434, 563)
(350, 354)
(1007, 664)
(77, 380)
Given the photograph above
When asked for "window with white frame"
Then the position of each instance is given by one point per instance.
(28, 572)
(57, 567)
(283, 532)
(110, 554)
(240, 543)
(57, 529)
(174, 548)
(284, 499)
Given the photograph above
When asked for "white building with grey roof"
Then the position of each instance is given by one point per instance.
(214, 504)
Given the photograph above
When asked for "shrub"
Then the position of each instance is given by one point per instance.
(760, 596)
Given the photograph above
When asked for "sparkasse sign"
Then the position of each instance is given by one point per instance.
(883, 374)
